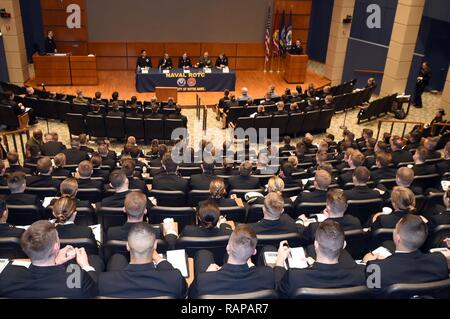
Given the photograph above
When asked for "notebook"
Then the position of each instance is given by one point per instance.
(178, 259)
(3, 264)
(97, 231)
(297, 259)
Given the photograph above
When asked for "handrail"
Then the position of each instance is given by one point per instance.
(393, 122)
(438, 124)
(368, 71)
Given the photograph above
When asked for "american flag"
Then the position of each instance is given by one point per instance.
(267, 40)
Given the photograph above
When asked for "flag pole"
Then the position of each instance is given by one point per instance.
(271, 64)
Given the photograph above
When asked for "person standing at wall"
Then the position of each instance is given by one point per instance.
(423, 79)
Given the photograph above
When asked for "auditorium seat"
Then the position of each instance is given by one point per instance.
(10, 248)
(309, 208)
(236, 213)
(76, 124)
(169, 198)
(182, 215)
(215, 244)
(88, 244)
(261, 294)
(77, 108)
(436, 237)
(135, 127)
(95, 126)
(93, 195)
(378, 236)
(110, 216)
(23, 215)
(263, 122)
(170, 125)
(435, 289)
(154, 129)
(42, 192)
(310, 121)
(363, 209)
(280, 122)
(356, 240)
(115, 127)
(358, 292)
(324, 121)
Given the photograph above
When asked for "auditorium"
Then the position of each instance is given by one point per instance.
(246, 150)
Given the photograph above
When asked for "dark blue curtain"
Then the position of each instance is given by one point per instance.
(3, 66)
(32, 26)
(319, 29)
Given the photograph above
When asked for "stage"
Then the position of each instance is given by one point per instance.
(124, 82)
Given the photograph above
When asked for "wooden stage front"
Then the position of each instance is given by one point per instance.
(257, 83)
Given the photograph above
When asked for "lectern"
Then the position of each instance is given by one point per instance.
(295, 69)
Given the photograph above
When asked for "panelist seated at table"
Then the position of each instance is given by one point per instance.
(184, 62)
(144, 61)
(165, 63)
(297, 48)
(222, 61)
(204, 61)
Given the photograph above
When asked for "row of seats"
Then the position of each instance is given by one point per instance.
(120, 128)
(377, 108)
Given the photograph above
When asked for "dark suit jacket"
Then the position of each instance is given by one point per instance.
(289, 182)
(42, 181)
(401, 156)
(146, 280)
(103, 173)
(52, 148)
(272, 227)
(75, 156)
(361, 192)
(348, 222)
(443, 167)
(319, 276)
(433, 154)
(44, 282)
(61, 172)
(17, 168)
(135, 183)
(424, 169)
(89, 183)
(108, 161)
(116, 200)
(316, 196)
(221, 202)
(23, 199)
(70, 230)
(383, 173)
(170, 182)
(196, 231)
(243, 182)
(232, 279)
(415, 267)
(201, 181)
(6, 230)
(346, 177)
(388, 221)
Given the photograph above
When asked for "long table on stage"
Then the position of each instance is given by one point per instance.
(195, 81)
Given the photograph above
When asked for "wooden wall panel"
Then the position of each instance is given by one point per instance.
(108, 49)
(250, 50)
(63, 34)
(297, 7)
(300, 21)
(300, 34)
(76, 48)
(59, 18)
(60, 4)
(214, 49)
(177, 49)
(111, 63)
(249, 63)
(153, 49)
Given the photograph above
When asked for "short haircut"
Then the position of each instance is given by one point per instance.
(397, 141)
(16, 180)
(412, 231)
(368, 132)
(12, 157)
(245, 169)
(405, 175)
(96, 160)
(322, 178)
(422, 153)
(85, 169)
(141, 238)
(274, 204)
(321, 156)
(38, 240)
(384, 158)
(208, 215)
(361, 174)
(83, 138)
(370, 143)
(287, 169)
(59, 160)
(330, 238)
(357, 158)
(168, 163)
(135, 204)
(208, 164)
(75, 143)
(243, 242)
(44, 165)
(117, 178)
(337, 201)
(403, 199)
(287, 139)
(128, 167)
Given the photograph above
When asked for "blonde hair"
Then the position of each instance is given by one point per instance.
(69, 188)
(275, 185)
(403, 199)
(217, 188)
(293, 160)
(63, 209)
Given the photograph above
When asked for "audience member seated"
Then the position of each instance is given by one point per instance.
(244, 180)
(444, 166)
(14, 166)
(403, 203)
(115, 112)
(399, 154)
(244, 95)
(96, 161)
(169, 180)
(52, 146)
(326, 271)
(147, 274)
(128, 167)
(366, 133)
(74, 155)
(356, 159)
(322, 180)
(420, 167)
(287, 147)
(84, 174)
(44, 177)
(177, 115)
(83, 144)
(7, 230)
(59, 162)
(274, 220)
(408, 264)
(119, 181)
(430, 144)
(335, 210)
(218, 191)
(79, 99)
(383, 171)
(286, 174)
(107, 157)
(3, 179)
(238, 274)
(414, 139)
(202, 181)
(443, 215)
(69, 188)
(360, 191)
(274, 185)
(65, 211)
(47, 276)
(17, 185)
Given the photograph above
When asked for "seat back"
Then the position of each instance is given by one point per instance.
(170, 125)
(310, 122)
(10, 248)
(324, 120)
(216, 245)
(23, 215)
(76, 123)
(380, 235)
(196, 196)
(95, 125)
(93, 195)
(42, 192)
(295, 123)
(110, 216)
(134, 127)
(112, 247)
(364, 209)
(260, 294)
(234, 213)
(154, 128)
(435, 289)
(358, 292)
(309, 208)
(274, 240)
(280, 122)
(169, 198)
(245, 122)
(356, 240)
(263, 122)
(115, 127)
(87, 243)
(182, 215)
